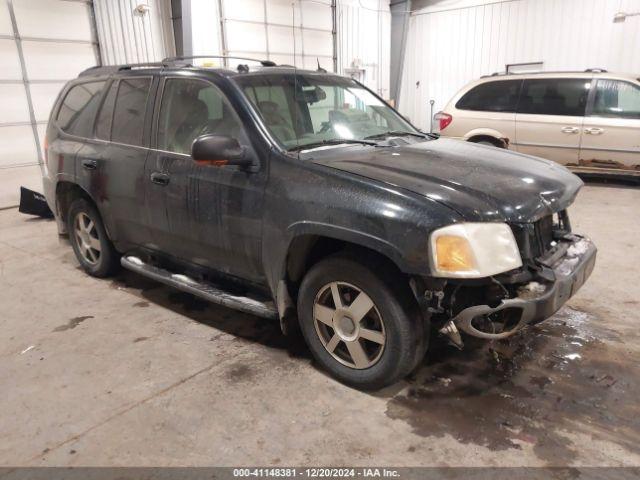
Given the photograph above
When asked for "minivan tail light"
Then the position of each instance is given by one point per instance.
(45, 147)
(444, 119)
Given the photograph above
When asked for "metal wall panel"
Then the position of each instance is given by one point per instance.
(451, 45)
(134, 31)
(297, 32)
(364, 40)
(39, 52)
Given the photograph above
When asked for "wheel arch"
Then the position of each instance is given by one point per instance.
(310, 243)
(66, 193)
(488, 134)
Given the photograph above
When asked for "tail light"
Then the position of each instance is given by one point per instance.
(444, 119)
(45, 147)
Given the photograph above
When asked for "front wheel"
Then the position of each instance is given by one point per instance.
(367, 332)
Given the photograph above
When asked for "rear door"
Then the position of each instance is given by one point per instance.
(115, 162)
(611, 131)
(549, 118)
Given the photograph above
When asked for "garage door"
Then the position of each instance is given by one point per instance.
(263, 29)
(43, 43)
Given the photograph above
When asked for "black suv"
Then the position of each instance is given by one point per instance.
(302, 196)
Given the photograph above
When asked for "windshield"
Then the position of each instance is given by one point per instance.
(306, 110)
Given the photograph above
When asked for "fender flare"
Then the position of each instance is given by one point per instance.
(347, 235)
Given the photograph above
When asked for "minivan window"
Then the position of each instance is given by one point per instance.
(618, 99)
(191, 108)
(554, 96)
(131, 103)
(498, 96)
(78, 110)
(103, 123)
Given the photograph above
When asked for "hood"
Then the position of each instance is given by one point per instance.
(481, 183)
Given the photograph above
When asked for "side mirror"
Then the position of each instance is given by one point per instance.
(218, 151)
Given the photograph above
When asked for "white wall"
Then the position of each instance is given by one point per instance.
(56, 41)
(363, 34)
(453, 42)
(127, 35)
(364, 40)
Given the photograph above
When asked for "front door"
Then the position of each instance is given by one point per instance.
(611, 132)
(207, 215)
(549, 118)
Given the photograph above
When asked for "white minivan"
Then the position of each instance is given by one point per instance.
(588, 121)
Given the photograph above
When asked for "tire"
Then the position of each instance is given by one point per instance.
(488, 143)
(89, 240)
(391, 334)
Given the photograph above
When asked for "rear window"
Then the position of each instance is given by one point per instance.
(103, 122)
(129, 112)
(616, 99)
(79, 107)
(499, 96)
(555, 96)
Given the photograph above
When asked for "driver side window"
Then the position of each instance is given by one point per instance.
(191, 108)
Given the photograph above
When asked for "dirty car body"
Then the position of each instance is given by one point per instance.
(315, 169)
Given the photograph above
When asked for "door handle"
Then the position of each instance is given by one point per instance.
(594, 131)
(89, 164)
(160, 178)
(570, 129)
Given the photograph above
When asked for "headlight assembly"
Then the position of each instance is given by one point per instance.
(473, 250)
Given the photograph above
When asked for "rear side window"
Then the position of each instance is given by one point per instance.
(131, 104)
(616, 99)
(499, 96)
(555, 96)
(79, 107)
(103, 123)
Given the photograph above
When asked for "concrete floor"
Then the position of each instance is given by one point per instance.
(127, 372)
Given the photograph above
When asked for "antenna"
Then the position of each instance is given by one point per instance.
(295, 78)
(320, 69)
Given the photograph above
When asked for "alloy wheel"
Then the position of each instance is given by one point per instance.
(349, 325)
(87, 238)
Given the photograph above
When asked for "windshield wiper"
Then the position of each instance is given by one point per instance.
(335, 141)
(396, 133)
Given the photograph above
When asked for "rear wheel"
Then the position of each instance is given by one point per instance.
(367, 332)
(89, 240)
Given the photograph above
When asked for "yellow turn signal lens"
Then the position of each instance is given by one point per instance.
(453, 254)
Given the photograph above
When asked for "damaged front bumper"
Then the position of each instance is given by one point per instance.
(536, 301)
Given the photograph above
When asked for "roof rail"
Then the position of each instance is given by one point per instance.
(111, 69)
(264, 63)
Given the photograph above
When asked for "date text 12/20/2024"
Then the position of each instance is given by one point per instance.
(316, 472)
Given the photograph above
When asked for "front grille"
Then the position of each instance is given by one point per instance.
(536, 239)
(543, 229)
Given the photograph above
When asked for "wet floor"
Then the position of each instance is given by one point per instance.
(558, 378)
(568, 375)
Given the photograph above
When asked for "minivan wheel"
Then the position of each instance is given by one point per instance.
(89, 240)
(364, 330)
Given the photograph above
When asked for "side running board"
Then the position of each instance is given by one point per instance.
(203, 290)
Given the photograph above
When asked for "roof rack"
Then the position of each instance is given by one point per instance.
(264, 63)
(167, 62)
(111, 69)
(588, 70)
